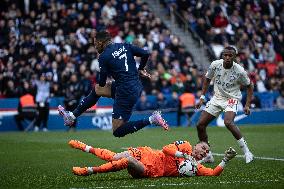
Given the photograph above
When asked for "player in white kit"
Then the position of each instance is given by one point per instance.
(227, 76)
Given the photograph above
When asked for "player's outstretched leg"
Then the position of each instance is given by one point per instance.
(85, 104)
(107, 167)
(103, 154)
(120, 129)
(157, 119)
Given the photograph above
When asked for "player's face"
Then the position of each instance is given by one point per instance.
(200, 150)
(228, 56)
(99, 46)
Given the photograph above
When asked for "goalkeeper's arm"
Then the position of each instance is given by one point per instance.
(204, 171)
(229, 154)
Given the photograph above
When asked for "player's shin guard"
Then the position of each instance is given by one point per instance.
(112, 166)
(130, 127)
(86, 103)
(103, 154)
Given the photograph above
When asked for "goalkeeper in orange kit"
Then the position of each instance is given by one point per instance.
(147, 162)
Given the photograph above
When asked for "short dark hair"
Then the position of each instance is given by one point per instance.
(103, 36)
(231, 48)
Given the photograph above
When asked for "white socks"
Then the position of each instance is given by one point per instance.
(223, 164)
(90, 170)
(243, 145)
(87, 148)
(72, 115)
(150, 120)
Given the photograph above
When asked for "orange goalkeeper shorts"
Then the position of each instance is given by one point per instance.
(151, 159)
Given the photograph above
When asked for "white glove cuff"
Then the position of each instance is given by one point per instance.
(179, 154)
(223, 164)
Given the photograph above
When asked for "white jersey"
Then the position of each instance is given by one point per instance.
(227, 82)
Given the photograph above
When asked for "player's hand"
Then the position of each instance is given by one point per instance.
(145, 74)
(229, 154)
(199, 104)
(247, 109)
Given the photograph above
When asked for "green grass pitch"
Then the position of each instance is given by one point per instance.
(44, 160)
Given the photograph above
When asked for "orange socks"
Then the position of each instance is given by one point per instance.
(112, 166)
(103, 154)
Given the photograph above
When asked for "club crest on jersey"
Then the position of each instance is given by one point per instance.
(118, 52)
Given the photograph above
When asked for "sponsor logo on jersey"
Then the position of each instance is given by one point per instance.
(117, 53)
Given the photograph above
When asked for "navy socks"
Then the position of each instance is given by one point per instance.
(86, 103)
(130, 127)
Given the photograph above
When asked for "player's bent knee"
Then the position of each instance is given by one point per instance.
(116, 127)
(99, 90)
(117, 134)
(103, 91)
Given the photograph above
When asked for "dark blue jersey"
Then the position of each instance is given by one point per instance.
(117, 60)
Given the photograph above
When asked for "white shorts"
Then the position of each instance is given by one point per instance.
(216, 106)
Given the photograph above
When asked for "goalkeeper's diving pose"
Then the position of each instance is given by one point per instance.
(147, 162)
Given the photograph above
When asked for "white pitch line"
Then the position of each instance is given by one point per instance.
(183, 184)
(256, 157)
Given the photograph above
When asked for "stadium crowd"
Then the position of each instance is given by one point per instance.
(255, 28)
(54, 39)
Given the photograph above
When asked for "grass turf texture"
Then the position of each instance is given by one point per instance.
(44, 160)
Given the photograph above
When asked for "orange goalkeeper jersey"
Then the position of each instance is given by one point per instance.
(171, 163)
(159, 163)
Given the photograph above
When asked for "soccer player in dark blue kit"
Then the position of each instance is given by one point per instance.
(117, 60)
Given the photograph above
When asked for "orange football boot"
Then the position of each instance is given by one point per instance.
(82, 171)
(77, 144)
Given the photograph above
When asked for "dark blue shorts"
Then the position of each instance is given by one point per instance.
(125, 97)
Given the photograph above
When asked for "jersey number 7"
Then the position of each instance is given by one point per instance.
(125, 61)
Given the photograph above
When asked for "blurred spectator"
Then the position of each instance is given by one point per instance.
(143, 104)
(108, 12)
(254, 27)
(10, 90)
(73, 93)
(42, 101)
(178, 86)
(268, 53)
(186, 106)
(174, 100)
(86, 83)
(165, 88)
(162, 102)
(190, 84)
(280, 100)
(255, 102)
(26, 111)
(260, 86)
(57, 37)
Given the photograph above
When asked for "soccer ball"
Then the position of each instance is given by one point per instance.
(187, 168)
